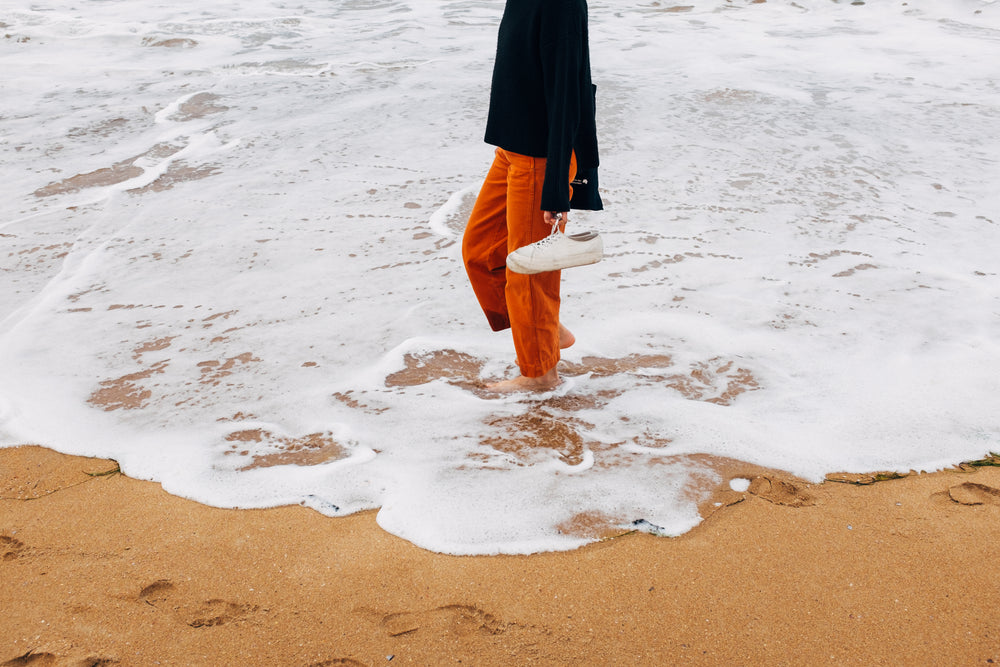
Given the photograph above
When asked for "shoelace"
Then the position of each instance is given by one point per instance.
(550, 239)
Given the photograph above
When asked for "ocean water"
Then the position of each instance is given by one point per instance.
(230, 258)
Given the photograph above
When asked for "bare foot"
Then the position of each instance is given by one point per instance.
(566, 337)
(545, 382)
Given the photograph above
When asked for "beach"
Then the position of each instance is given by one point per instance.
(230, 248)
(242, 371)
(108, 570)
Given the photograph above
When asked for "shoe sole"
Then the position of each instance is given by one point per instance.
(514, 265)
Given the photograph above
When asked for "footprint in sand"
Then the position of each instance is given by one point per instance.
(971, 493)
(455, 619)
(338, 662)
(156, 592)
(43, 659)
(780, 493)
(31, 658)
(11, 548)
(217, 612)
(162, 593)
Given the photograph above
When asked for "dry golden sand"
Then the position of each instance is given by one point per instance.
(110, 570)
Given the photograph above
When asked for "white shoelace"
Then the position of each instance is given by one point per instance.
(550, 239)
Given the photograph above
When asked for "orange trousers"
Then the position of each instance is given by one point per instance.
(507, 216)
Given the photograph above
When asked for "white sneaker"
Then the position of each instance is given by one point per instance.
(557, 251)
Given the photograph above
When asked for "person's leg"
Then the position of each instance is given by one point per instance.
(484, 245)
(532, 300)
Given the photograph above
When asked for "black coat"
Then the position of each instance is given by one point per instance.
(542, 102)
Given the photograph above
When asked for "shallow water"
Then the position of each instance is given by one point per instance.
(229, 258)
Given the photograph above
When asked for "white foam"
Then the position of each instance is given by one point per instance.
(800, 234)
(739, 484)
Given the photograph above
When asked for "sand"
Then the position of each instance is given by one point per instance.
(101, 570)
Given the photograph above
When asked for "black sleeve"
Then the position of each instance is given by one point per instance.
(562, 63)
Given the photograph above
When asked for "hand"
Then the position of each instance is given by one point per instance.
(557, 218)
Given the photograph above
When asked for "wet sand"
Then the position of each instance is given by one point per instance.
(102, 570)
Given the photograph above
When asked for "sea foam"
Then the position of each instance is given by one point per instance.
(230, 258)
